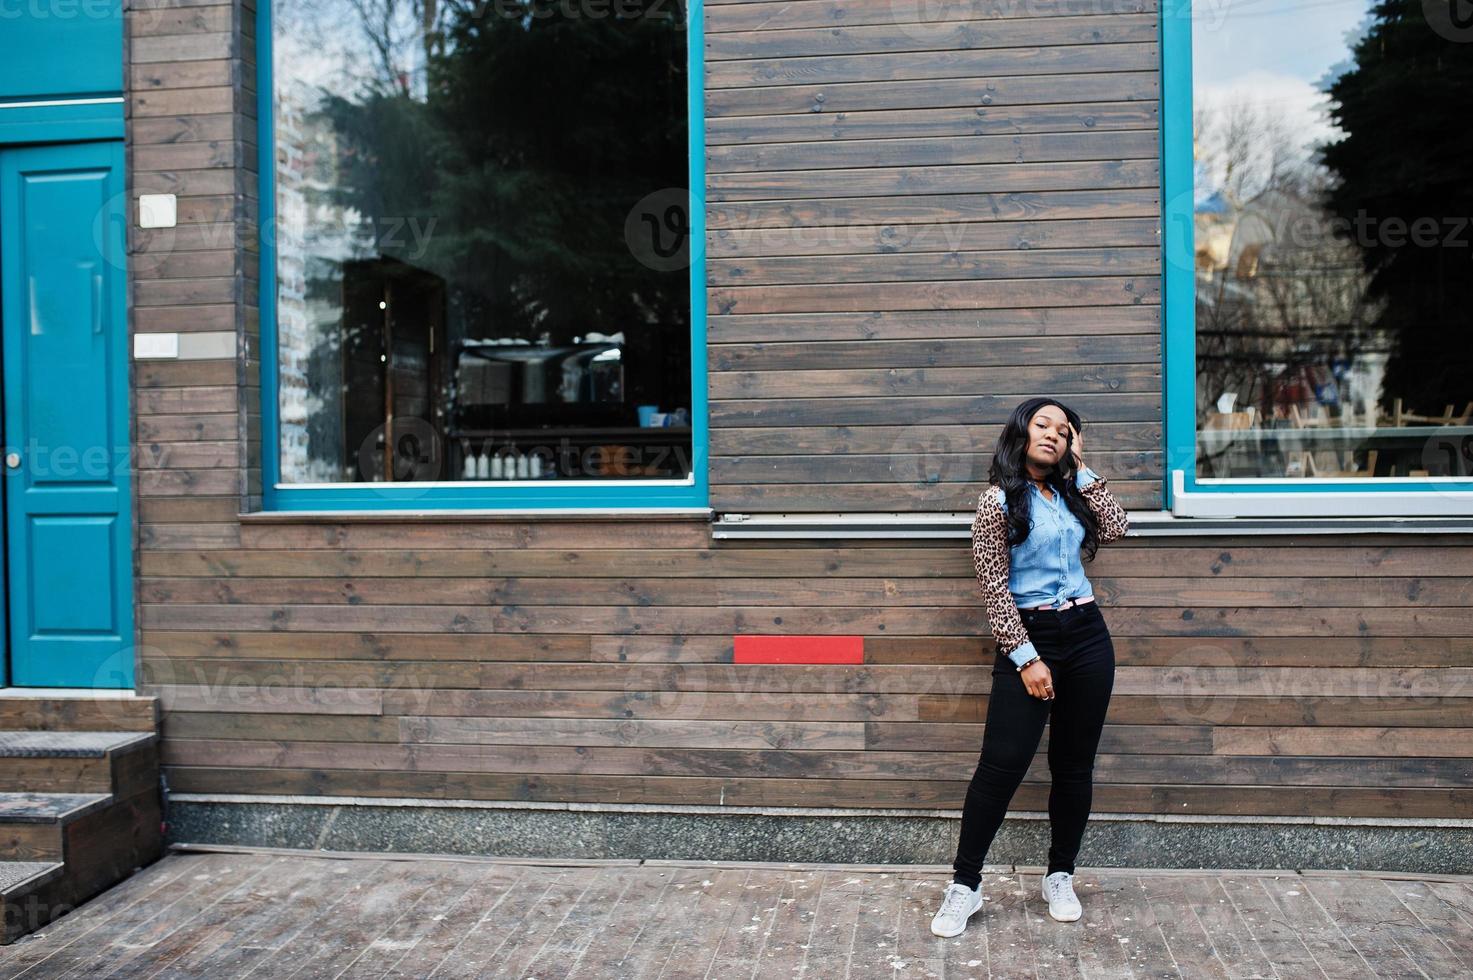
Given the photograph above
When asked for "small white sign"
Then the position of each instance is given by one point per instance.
(158, 211)
(150, 346)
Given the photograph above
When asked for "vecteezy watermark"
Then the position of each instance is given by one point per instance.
(67, 10)
(406, 237)
(507, 459)
(935, 450)
(405, 450)
(42, 462)
(1448, 454)
(1450, 19)
(657, 229)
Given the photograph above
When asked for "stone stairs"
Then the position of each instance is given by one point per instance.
(80, 806)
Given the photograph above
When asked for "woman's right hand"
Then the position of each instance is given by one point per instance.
(1039, 680)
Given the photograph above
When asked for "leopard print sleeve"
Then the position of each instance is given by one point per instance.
(1113, 520)
(990, 557)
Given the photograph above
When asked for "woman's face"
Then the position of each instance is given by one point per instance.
(1048, 437)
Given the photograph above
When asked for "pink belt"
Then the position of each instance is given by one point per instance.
(1066, 604)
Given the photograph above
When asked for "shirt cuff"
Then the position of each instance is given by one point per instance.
(1085, 477)
(1022, 654)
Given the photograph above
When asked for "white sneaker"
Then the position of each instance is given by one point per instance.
(957, 905)
(1058, 890)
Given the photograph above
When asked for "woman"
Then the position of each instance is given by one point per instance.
(1055, 658)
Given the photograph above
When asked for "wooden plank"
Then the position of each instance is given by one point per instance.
(1190, 770)
(71, 938)
(1442, 907)
(152, 130)
(880, 411)
(941, 36)
(150, 76)
(1330, 741)
(1392, 941)
(180, 265)
(648, 734)
(135, 935)
(1405, 711)
(1276, 936)
(983, 294)
(181, 47)
(491, 889)
(221, 692)
(868, 793)
(730, 110)
(733, 250)
(497, 534)
(1078, 110)
(768, 441)
(184, 401)
(922, 209)
(742, 365)
(726, 17)
(368, 646)
(189, 510)
(905, 66)
(937, 468)
(401, 940)
(520, 919)
(584, 925)
(164, 22)
(1141, 739)
(359, 921)
(295, 726)
(939, 382)
(741, 947)
(1026, 149)
(300, 916)
(934, 267)
(941, 179)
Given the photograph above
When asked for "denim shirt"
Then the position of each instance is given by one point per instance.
(1046, 568)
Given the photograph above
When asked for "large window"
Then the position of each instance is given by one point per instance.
(1318, 327)
(478, 250)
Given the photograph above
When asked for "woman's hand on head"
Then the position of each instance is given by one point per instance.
(1076, 447)
(1039, 680)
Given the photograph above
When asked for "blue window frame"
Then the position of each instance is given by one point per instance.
(1344, 492)
(575, 495)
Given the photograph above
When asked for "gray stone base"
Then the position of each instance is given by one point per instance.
(586, 831)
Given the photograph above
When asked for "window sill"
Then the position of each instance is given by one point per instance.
(1143, 524)
(1398, 499)
(702, 514)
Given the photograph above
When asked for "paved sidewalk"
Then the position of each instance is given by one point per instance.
(303, 914)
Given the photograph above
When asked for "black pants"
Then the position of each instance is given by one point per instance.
(1076, 646)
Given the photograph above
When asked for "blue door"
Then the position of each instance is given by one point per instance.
(68, 557)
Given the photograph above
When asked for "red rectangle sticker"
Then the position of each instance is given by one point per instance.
(798, 650)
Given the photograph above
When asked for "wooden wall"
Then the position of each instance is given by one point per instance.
(590, 660)
(919, 215)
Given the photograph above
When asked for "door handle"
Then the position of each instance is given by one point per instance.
(97, 302)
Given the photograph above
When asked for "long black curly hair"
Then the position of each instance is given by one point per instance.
(1008, 471)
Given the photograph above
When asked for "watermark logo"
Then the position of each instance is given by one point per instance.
(657, 229)
(1450, 19)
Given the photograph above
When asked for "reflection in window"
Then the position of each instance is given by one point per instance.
(1334, 285)
(481, 240)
